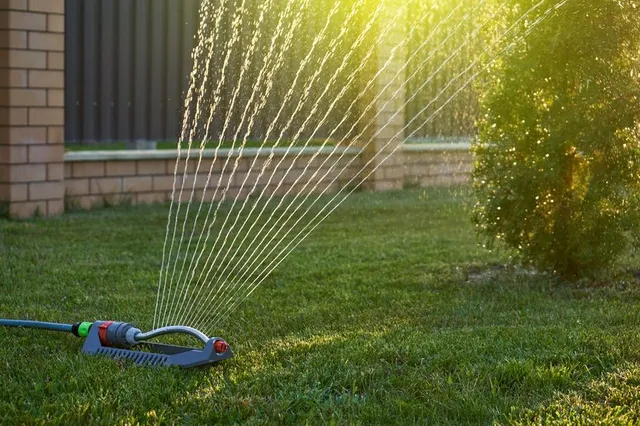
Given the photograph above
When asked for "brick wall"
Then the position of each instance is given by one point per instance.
(94, 179)
(31, 106)
(428, 165)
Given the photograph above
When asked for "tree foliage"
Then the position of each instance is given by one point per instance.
(558, 153)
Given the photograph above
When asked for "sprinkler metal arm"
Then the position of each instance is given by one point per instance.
(139, 337)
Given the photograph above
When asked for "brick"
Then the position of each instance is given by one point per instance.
(88, 169)
(197, 181)
(55, 98)
(16, 4)
(12, 39)
(137, 184)
(282, 190)
(55, 171)
(46, 41)
(46, 153)
(55, 135)
(184, 197)
(151, 198)
(28, 209)
(106, 185)
(77, 186)
(444, 169)
(48, 6)
(121, 168)
(68, 170)
(296, 175)
(165, 183)
(23, 59)
(201, 180)
(17, 20)
(23, 97)
(18, 192)
(55, 207)
(171, 166)
(13, 116)
(46, 79)
(85, 202)
(46, 116)
(393, 172)
(17, 154)
(55, 61)
(27, 135)
(13, 78)
(5, 173)
(5, 154)
(28, 173)
(205, 165)
(55, 23)
(46, 191)
(386, 185)
(198, 195)
(13, 192)
(151, 167)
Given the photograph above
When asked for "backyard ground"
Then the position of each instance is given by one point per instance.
(389, 314)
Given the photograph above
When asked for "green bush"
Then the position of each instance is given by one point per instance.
(557, 171)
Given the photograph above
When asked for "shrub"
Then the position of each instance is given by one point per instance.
(557, 159)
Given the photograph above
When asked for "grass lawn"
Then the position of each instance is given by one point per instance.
(389, 314)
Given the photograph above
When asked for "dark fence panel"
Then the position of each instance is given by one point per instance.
(129, 63)
(127, 66)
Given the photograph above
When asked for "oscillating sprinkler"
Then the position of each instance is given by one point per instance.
(120, 340)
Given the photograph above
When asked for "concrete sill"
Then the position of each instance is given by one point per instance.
(194, 153)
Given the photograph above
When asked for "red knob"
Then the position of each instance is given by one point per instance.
(220, 346)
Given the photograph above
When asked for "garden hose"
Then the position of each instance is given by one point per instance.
(123, 340)
(53, 326)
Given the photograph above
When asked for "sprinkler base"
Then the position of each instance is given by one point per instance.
(151, 353)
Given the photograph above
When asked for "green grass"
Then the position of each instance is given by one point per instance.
(389, 314)
(168, 145)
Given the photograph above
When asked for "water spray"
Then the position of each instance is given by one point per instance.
(120, 340)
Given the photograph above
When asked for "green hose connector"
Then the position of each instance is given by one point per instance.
(81, 329)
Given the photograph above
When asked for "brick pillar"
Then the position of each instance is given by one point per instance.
(31, 107)
(386, 130)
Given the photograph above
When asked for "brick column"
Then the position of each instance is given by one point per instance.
(388, 174)
(31, 107)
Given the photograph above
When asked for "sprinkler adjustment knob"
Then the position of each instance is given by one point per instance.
(220, 346)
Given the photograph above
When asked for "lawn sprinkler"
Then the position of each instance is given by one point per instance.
(120, 340)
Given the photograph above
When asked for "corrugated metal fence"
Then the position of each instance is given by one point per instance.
(127, 65)
(129, 61)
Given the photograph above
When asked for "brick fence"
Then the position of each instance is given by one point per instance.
(32, 106)
(37, 177)
(93, 179)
